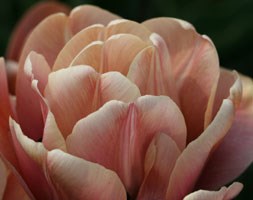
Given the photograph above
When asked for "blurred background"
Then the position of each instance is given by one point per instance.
(229, 23)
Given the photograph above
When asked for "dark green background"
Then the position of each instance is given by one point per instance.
(229, 23)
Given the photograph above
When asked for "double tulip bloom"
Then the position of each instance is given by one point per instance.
(100, 107)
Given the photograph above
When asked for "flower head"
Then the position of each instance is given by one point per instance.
(107, 108)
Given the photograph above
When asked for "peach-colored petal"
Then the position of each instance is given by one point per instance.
(192, 160)
(234, 154)
(75, 178)
(47, 38)
(29, 110)
(52, 137)
(226, 85)
(6, 147)
(82, 90)
(126, 26)
(225, 193)
(33, 16)
(119, 51)
(160, 159)
(76, 44)
(28, 106)
(36, 67)
(198, 151)
(90, 55)
(151, 70)
(115, 54)
(195, 66)
(121, 139)
(31, 156)
(86, 15)
(10, 187)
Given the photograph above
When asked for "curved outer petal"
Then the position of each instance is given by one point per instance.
(124, 133)
(36, 68)
(11, 71)
(160, 159)
(126, 26)
(31, 156)
(235, 153)
(195, 66)
(115, 54)
(28, 105)
(76, 44)
(151, 70)
(10, 187)
(6, 146)
(52, 136)
(33, 16)
(98, 32)
(84, 16)
(196, 154)
(223, 194)
(76, 178)
(75, 92)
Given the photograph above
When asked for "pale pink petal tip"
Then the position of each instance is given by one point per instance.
(225, 193)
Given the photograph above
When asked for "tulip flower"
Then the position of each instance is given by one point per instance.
(108, 108)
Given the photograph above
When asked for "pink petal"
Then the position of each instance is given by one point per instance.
(33, 16)
(125, 131)
(223, 194)
(151, 70)
(115, 54)
(119, 51)
(160, 159)
(10, 187)
(4, 178)
(195, 66)
(234, 154)
(6, 147)
(11, 71)
(31, 156)
(52, 137)
(84, 16)
(29, 109)
(198, 151)
(90, 55)
(36, 67)
(76, 44)
(5, 110)
(75, 92)
(126, 26)
(76, 178)
(191, 162)
(28, 106)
